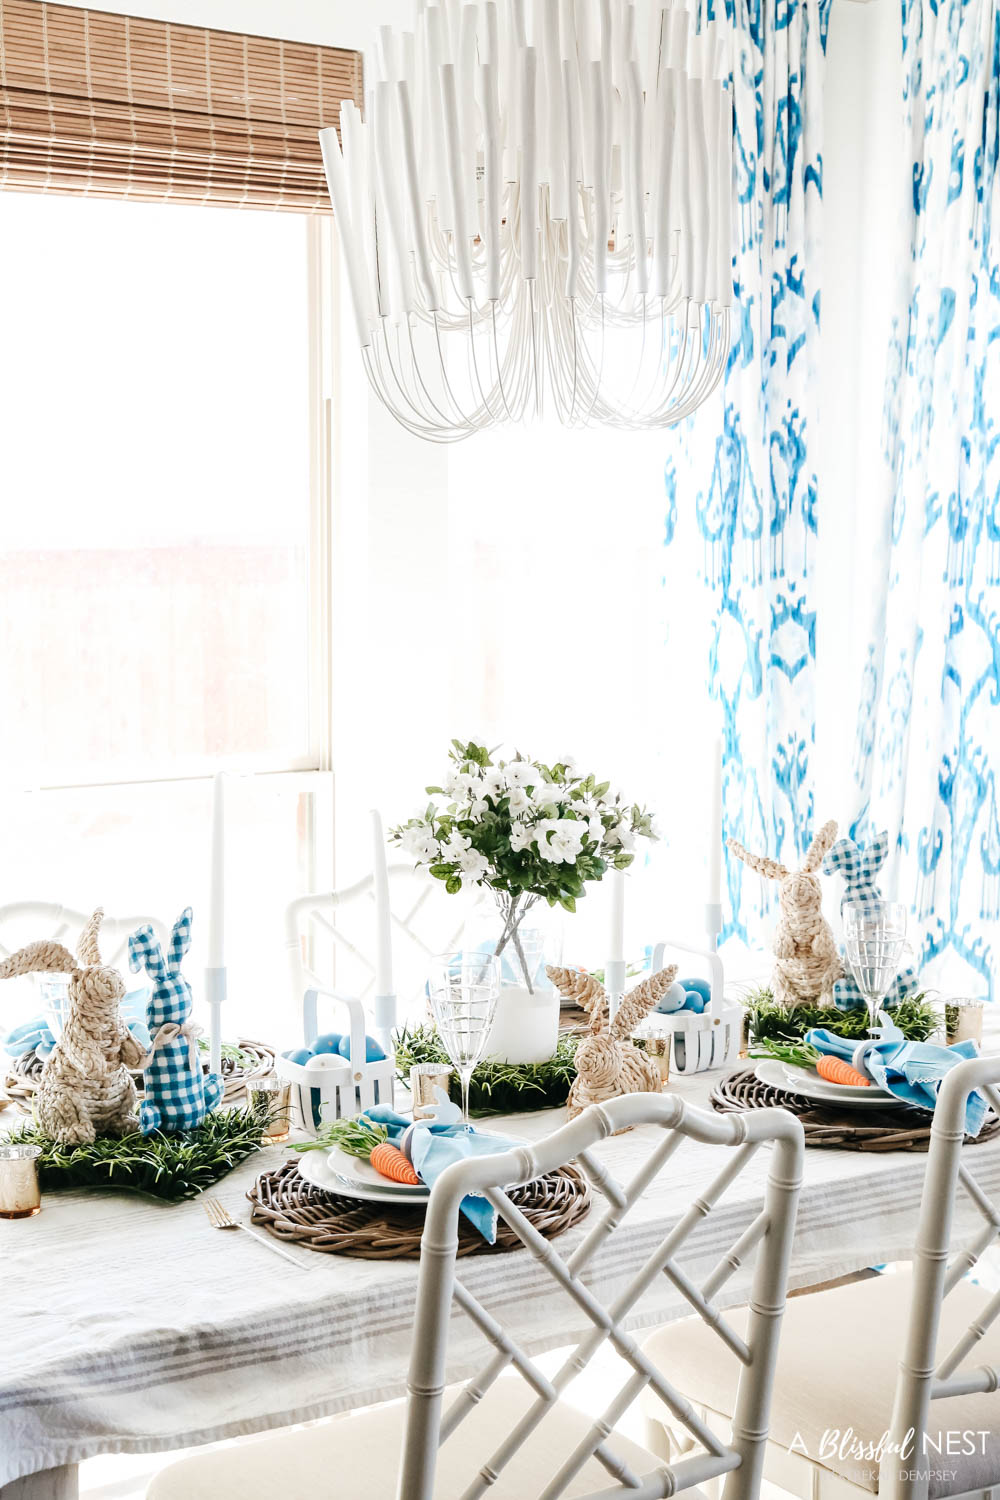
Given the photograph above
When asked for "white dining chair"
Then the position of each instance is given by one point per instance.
(33, 920)
(514, 1437)
(861, 1364)
(318, 930)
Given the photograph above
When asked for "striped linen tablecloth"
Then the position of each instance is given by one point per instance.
(128, 1326)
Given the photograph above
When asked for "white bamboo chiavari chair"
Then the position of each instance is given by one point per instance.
(34, 920)
(514, 1437)
(870, 1395)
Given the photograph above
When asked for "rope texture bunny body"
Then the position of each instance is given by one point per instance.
(806, 962)
(86, 1088)
(607, 1061)
(177, 1094)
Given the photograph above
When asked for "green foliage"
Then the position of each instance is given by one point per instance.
(231, 1053)
(357, 1136)
(165, 1166)
(770, 1022)
(497, 1088)
(527, 831)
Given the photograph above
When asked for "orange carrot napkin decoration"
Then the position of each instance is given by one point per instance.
(805, 1055)
(390, 1162)
(836, 1070)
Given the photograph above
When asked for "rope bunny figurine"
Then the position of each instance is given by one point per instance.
(859, 864)
(86, 1088)
(806, 963)
(178, 1095)
(607, 1061)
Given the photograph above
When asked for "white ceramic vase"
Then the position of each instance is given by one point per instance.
(526, 1025)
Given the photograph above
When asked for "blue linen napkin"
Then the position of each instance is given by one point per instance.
(913, 1071)
(38, 1034)
(437, 1143)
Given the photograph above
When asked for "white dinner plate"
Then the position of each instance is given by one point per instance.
(773, 1074)
(797, 1076)
(315, 1168)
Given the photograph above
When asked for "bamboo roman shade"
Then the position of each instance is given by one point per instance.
(112, 106)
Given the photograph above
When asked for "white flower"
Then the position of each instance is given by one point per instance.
(620, 836)
(521, 837)
(420, 842)
(518, 800)
(461, 785)
(559, 839)
(472, 866)
(595, 829)
(454, 846)
(522, 773)
(493, 783)
(477, 807)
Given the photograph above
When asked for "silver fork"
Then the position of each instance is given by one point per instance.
(221, 1218)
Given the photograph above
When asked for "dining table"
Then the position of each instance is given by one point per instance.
(128, 1325)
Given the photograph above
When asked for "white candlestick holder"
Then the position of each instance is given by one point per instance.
(614, 984)
(215, 994)
(385, 1021)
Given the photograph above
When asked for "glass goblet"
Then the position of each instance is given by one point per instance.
(874, 939)
(463, 990)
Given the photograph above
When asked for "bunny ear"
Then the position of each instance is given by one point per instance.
(769, 868)
(877, 850)
(87, 950)
(844, 858)
(819, 846)
(180, 939)
(43, 957)
(145, 950)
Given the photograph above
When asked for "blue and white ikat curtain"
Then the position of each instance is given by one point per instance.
(928, 743)
(746, 466)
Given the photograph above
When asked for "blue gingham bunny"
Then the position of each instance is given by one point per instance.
(178, 1095)
(859, 864)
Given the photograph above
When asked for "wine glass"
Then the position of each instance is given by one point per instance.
(463, 990)
(874, 937)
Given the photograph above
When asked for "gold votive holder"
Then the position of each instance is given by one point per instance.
(270, 1097)
(963, 1016)
(20, 1197)
(425, 1078)
(658, 1048)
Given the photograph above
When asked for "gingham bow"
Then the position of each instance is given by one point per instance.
(858, 864)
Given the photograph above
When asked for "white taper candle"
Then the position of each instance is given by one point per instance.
(217, 877)
(383, 919)
(715, 828)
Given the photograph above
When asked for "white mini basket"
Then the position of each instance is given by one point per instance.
(709, 1040)
(328, 1086)
(712, 1038)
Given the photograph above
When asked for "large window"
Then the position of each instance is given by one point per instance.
(157, 619)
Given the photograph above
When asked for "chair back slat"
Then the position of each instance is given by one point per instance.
(924, 1374)
(738, 1461)
(62, 924)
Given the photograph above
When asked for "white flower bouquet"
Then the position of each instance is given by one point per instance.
(524, 830)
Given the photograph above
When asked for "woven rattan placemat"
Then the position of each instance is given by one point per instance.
(292, 1209)
(24, 1075)
(883, 1130)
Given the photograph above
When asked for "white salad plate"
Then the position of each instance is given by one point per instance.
(774, 1075)
(355, 1172)
(315, 1167)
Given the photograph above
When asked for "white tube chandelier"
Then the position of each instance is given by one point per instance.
(535, 208)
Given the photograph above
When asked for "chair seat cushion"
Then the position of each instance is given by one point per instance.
(356, 1457)
(836, 1378)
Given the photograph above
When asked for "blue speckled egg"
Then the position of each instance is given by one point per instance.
(373, 1052)
(299, 1055)
(700, 986)
(329, 1042)
(694, 1001)
(672, 1000)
